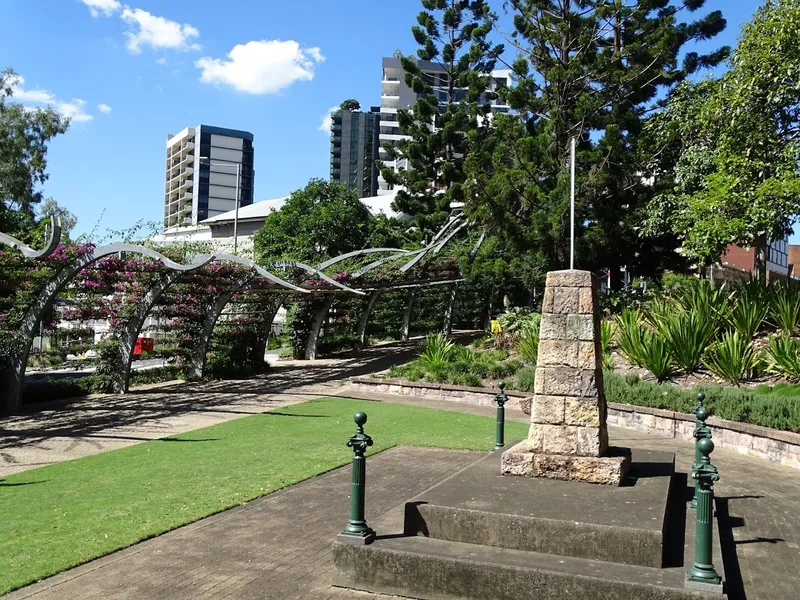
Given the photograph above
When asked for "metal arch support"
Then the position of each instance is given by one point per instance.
(364, 321)
(383, 261)
(269, 318)
(197, 358)
(316, 327)
(447, 328)
(127, 337)
(53, 239)
(318, 273)
(261, 271)
(13, 376)
(340, 258)
(410, 298)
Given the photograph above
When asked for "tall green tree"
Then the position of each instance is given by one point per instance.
(350, 104)
(24, 136)
(454, 35)
(591, 70)
(728, 150)
(320, 221)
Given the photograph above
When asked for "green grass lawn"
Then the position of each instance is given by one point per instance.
(56, 517)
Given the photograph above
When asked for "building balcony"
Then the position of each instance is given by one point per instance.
(187, 145)
(336, 128)
(185, 184)
(336, 161)
(393, 137)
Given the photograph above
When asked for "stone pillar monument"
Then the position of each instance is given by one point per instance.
(568, 438)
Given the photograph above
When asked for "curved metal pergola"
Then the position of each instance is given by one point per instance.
(12, 377)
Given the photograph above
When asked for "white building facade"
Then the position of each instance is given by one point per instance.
(207, 168)
(395, 94)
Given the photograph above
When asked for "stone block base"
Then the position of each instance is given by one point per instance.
(519, 460)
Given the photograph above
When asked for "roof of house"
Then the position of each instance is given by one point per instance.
(259, 210)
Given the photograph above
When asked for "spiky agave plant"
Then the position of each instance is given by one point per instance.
(631, 335)
(785, 308)
(607, 333)
(436, 352)
(732, 358)
(782, 356)
(688, 334)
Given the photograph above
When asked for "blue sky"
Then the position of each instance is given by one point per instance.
(131, 74)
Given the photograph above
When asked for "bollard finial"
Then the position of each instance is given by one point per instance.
(502, 385)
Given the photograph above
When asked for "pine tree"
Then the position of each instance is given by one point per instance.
(452, 34)
(593, 70)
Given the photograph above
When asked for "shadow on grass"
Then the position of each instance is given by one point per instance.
(172, 439)
(285, 414)
(4, 483)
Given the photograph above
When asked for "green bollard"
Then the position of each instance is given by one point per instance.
(705, 475)
(701, 431)
(357, 529)
(501, 399)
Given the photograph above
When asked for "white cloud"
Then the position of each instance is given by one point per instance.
(104, 108)
(161, 61)
(104, 7)
(73, 109)
(327, 120)
(261, 67)
(157, 32)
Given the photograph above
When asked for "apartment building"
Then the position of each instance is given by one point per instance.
(207, 168)
(354, 150)
(395, 94)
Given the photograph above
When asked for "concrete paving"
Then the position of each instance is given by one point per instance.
(279, 546)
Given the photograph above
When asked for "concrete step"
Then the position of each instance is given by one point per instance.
(626, 524)
(431, 569)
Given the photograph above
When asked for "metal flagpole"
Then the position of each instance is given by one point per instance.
(572, 205)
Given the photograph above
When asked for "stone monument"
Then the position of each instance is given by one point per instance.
(568, 437)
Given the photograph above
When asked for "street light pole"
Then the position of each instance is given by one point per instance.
(236, 214)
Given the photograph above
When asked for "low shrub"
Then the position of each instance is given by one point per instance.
(734, 404)
(524, 379)
(156, 375)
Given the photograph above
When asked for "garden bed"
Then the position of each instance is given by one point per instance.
(748, 438)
